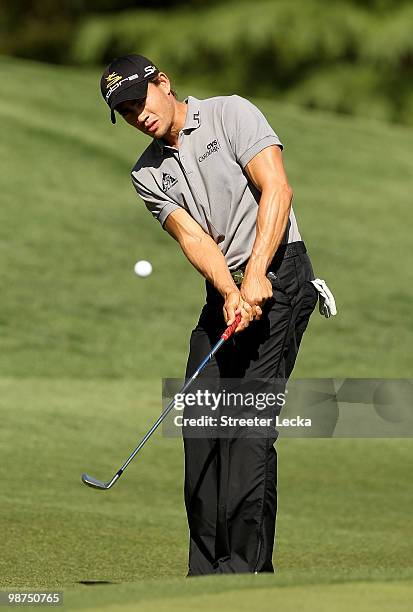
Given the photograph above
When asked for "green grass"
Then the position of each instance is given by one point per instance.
(343, 516)
(85, 343)
(251, 594)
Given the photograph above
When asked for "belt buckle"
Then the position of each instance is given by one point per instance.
(238, 276)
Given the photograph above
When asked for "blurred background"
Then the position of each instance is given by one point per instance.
(85, 342)
(349, 56)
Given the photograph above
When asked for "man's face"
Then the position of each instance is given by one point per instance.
(152, 115)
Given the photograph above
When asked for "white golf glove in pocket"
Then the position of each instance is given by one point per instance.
(326, 301)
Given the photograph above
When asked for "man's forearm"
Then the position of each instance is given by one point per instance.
(272, 219)
(200, 250)
(206, 257)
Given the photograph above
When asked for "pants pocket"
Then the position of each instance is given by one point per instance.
(285, 281)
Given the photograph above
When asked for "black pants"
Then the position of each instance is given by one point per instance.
(231, 483)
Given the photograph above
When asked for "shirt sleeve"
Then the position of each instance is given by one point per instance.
(156, 201)
(248, 130)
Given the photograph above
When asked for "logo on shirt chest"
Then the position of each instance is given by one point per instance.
(168, 181)
(212, 147)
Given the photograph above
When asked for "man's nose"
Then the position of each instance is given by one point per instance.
(142, 117)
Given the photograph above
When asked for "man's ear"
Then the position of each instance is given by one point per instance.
(165, 82)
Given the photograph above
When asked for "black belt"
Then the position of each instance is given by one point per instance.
(290, 250)
(284, 251)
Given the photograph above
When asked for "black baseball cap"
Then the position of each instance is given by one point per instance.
(126, 78)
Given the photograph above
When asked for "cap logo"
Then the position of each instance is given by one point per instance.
(149, 70)
(112, 79)
(117, 83)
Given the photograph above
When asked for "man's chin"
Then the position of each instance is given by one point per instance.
(159, 133)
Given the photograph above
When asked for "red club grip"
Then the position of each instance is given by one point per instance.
(231, 328)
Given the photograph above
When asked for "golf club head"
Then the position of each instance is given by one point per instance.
(95, 484)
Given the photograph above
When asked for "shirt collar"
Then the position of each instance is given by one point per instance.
(192, 121)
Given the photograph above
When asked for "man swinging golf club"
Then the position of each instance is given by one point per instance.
(213, 176)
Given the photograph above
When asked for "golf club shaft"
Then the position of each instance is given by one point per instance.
(227, 334)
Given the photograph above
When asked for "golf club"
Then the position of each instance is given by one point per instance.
(97, 484)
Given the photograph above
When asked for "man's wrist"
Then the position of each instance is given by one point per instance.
(257, 265)
(227, 289)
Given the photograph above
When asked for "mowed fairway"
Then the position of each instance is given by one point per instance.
(85, 344)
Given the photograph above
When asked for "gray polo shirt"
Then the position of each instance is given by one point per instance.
(206, 175)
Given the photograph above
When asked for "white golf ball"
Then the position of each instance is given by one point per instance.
(143, 268)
